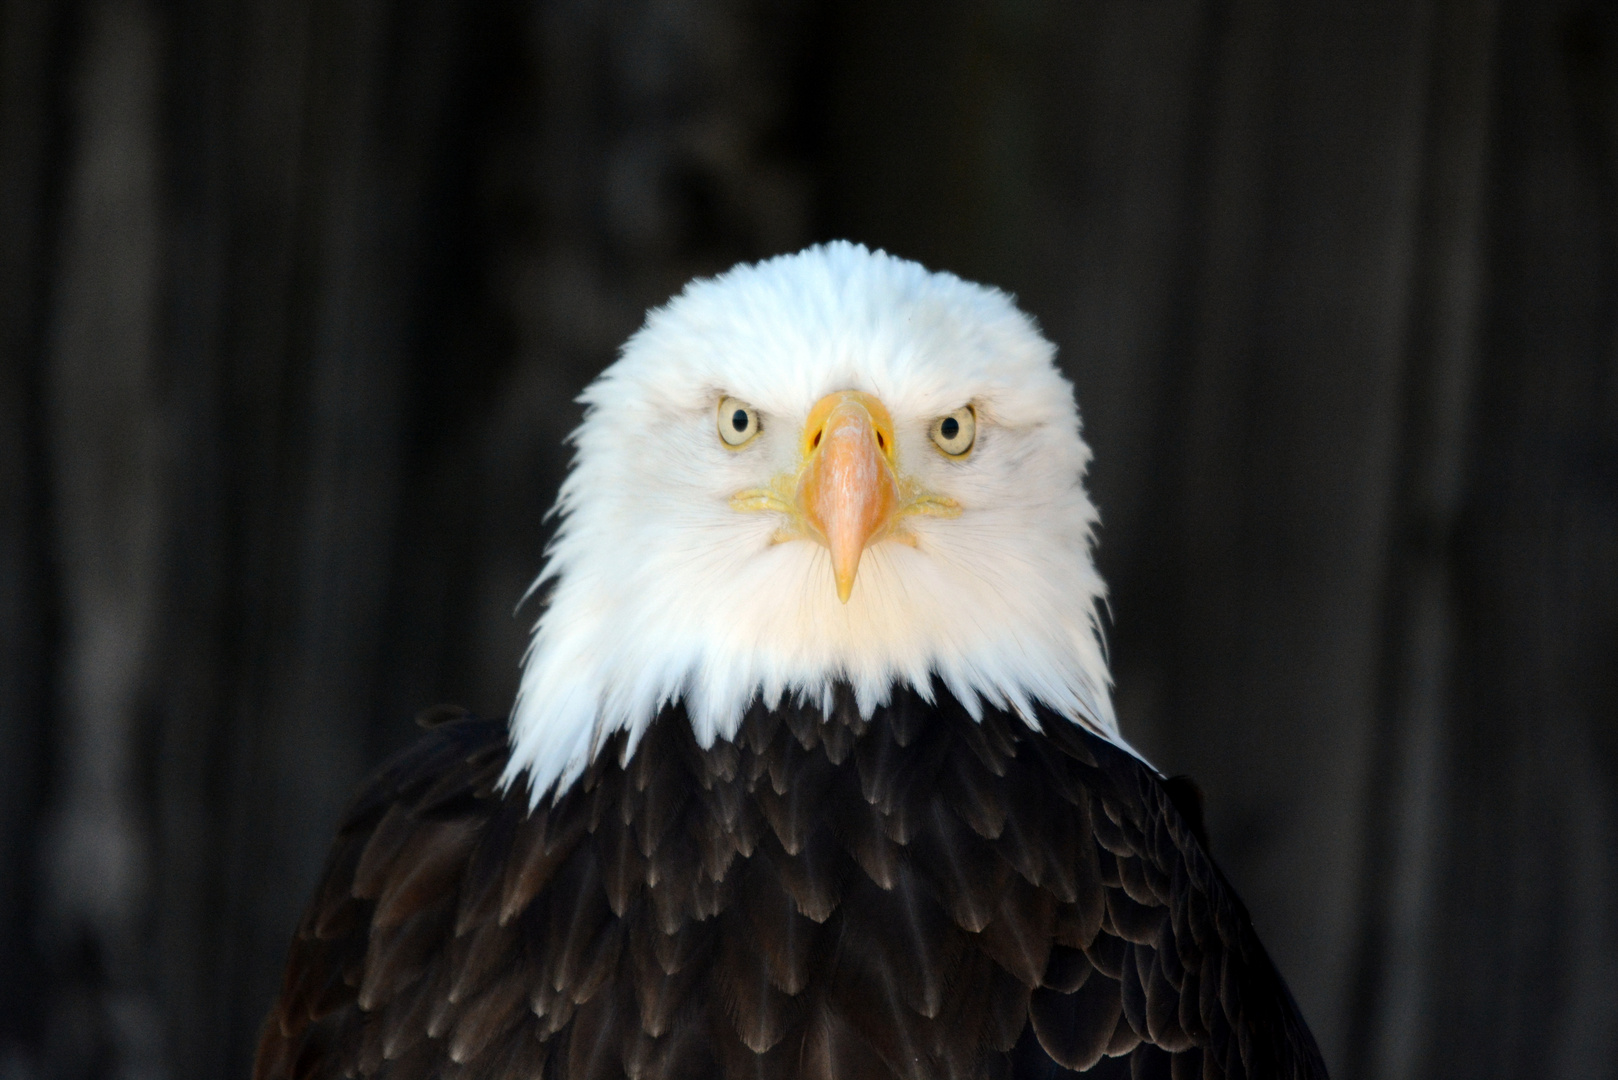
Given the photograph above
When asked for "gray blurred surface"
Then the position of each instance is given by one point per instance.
(295, 299)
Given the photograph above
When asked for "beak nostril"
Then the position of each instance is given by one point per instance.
(814, 444)
(881, 441)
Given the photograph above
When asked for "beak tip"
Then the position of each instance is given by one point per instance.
(844, 571)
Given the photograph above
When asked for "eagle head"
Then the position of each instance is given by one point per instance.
(829, 467)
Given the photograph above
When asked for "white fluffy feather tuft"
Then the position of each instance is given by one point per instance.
(661, 591)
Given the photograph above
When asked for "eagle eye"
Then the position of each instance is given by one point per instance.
(955, 433)
(738, 422)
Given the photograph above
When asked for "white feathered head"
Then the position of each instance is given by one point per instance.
(833, 466)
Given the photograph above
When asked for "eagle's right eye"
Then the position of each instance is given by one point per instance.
(738, 422)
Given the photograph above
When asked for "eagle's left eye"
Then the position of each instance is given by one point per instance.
(954, 434)
(738, 422)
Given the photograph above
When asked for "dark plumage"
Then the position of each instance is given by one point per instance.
(918, 895)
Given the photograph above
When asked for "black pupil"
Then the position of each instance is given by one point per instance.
(738, 419)
(950, 428)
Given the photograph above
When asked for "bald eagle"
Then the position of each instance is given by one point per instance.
(813, 769)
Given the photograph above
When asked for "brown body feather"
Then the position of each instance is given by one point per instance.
(917, 895)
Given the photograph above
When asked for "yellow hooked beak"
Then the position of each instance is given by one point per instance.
(846, 494)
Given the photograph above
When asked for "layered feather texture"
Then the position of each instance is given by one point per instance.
(908, 893)
(659, 591)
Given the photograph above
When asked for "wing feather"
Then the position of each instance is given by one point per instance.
(913, 894)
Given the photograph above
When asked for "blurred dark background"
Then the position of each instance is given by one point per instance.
(295, 296)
